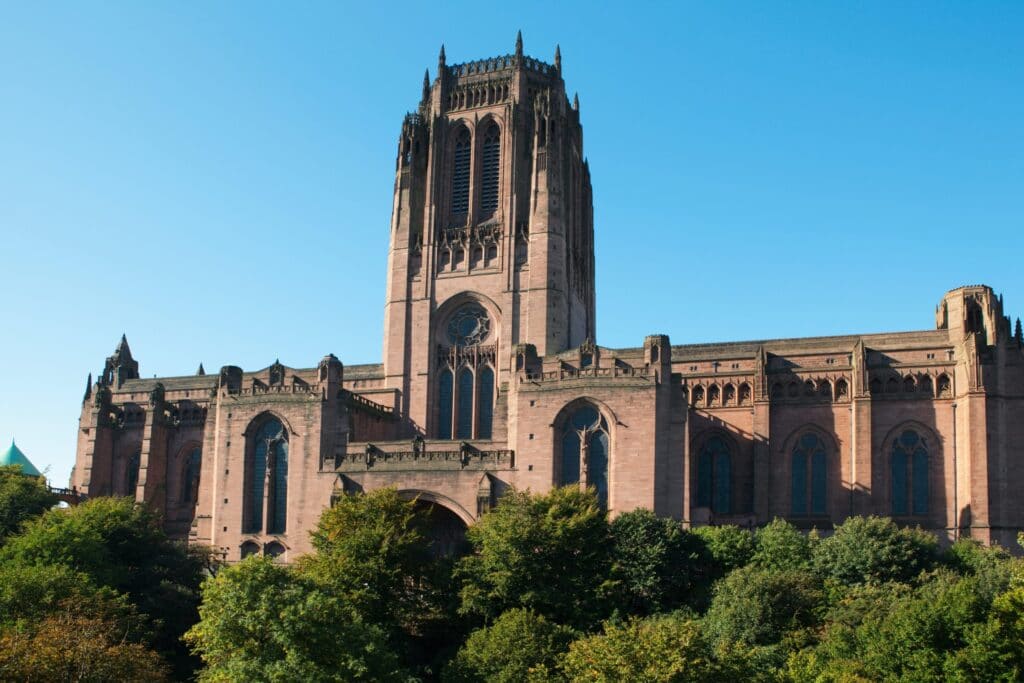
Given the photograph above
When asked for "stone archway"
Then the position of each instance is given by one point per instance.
(446, 522)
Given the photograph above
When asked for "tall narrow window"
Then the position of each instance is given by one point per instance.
(464, 428)
(269, 451)
(585, 451)
(444, 407)
(190, 484)
(714, 476)
(277, 512)
(485, 403)
(570, 458)
(460, 174)
(491, 157)
(809, 476)
(910, 474)
(131, 479)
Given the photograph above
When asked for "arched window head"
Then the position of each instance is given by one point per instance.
(714, 476)
(909, 474)
(274, 550)
(490, 171)
(249, 548)
(267, 478)
(469, 325)
(190, 483)
(809, 476)
(585, 451)
(460, 173)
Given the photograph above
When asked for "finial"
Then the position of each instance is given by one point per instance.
(440, 59)
(519, 44)
(88, 388)
(201, 370)
(558, 59)
(426, 84)
(576, 101)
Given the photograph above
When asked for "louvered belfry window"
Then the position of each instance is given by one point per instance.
(460, 174)
(491, 158)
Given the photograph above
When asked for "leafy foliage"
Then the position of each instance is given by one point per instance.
(71, 646)
(874, 550)
(371, 548)
(754, 606)
(260, 621)
(520, 645)
(781, 546)
(654, 650)
(120, 545)
(729, 547)
(548, 553)
(21, 499)
(656, 562)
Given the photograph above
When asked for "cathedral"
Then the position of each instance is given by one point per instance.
(491, 377)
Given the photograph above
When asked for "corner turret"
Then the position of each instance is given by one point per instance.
(120, 366)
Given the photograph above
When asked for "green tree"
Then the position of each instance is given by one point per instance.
(992, 566)
(754, 606)
(655, 561)
(373, 550)
(21, 499)
(549, 553)
(520, 645)
(72, 646)
(781, 546)
(902, 633)
(729, 547)
(874, 550)
(658, 649)
(261, 621)
(31, 593)
(120, 545)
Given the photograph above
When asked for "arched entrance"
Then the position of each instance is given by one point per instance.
(446, 522)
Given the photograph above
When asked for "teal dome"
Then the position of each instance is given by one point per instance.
(14, 456)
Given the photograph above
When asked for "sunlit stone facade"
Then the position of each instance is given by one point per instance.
(491, 377)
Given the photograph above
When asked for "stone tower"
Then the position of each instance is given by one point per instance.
(491, 236)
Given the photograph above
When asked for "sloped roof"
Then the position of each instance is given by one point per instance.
(14, 456)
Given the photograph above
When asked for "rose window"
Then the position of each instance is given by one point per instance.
(469, 325)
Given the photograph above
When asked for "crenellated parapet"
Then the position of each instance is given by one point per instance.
(422, 456)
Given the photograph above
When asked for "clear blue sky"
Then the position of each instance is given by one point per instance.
(214, 179)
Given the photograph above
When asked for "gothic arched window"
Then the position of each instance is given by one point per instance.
(190, 482)
(445, 391)
(809, 476)
(460, 173)
(485, 402)
(249, 548)
(909, 474)
(491, 157)
(585, 451)
(714, 476)
(267, 477)
(464, 424)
